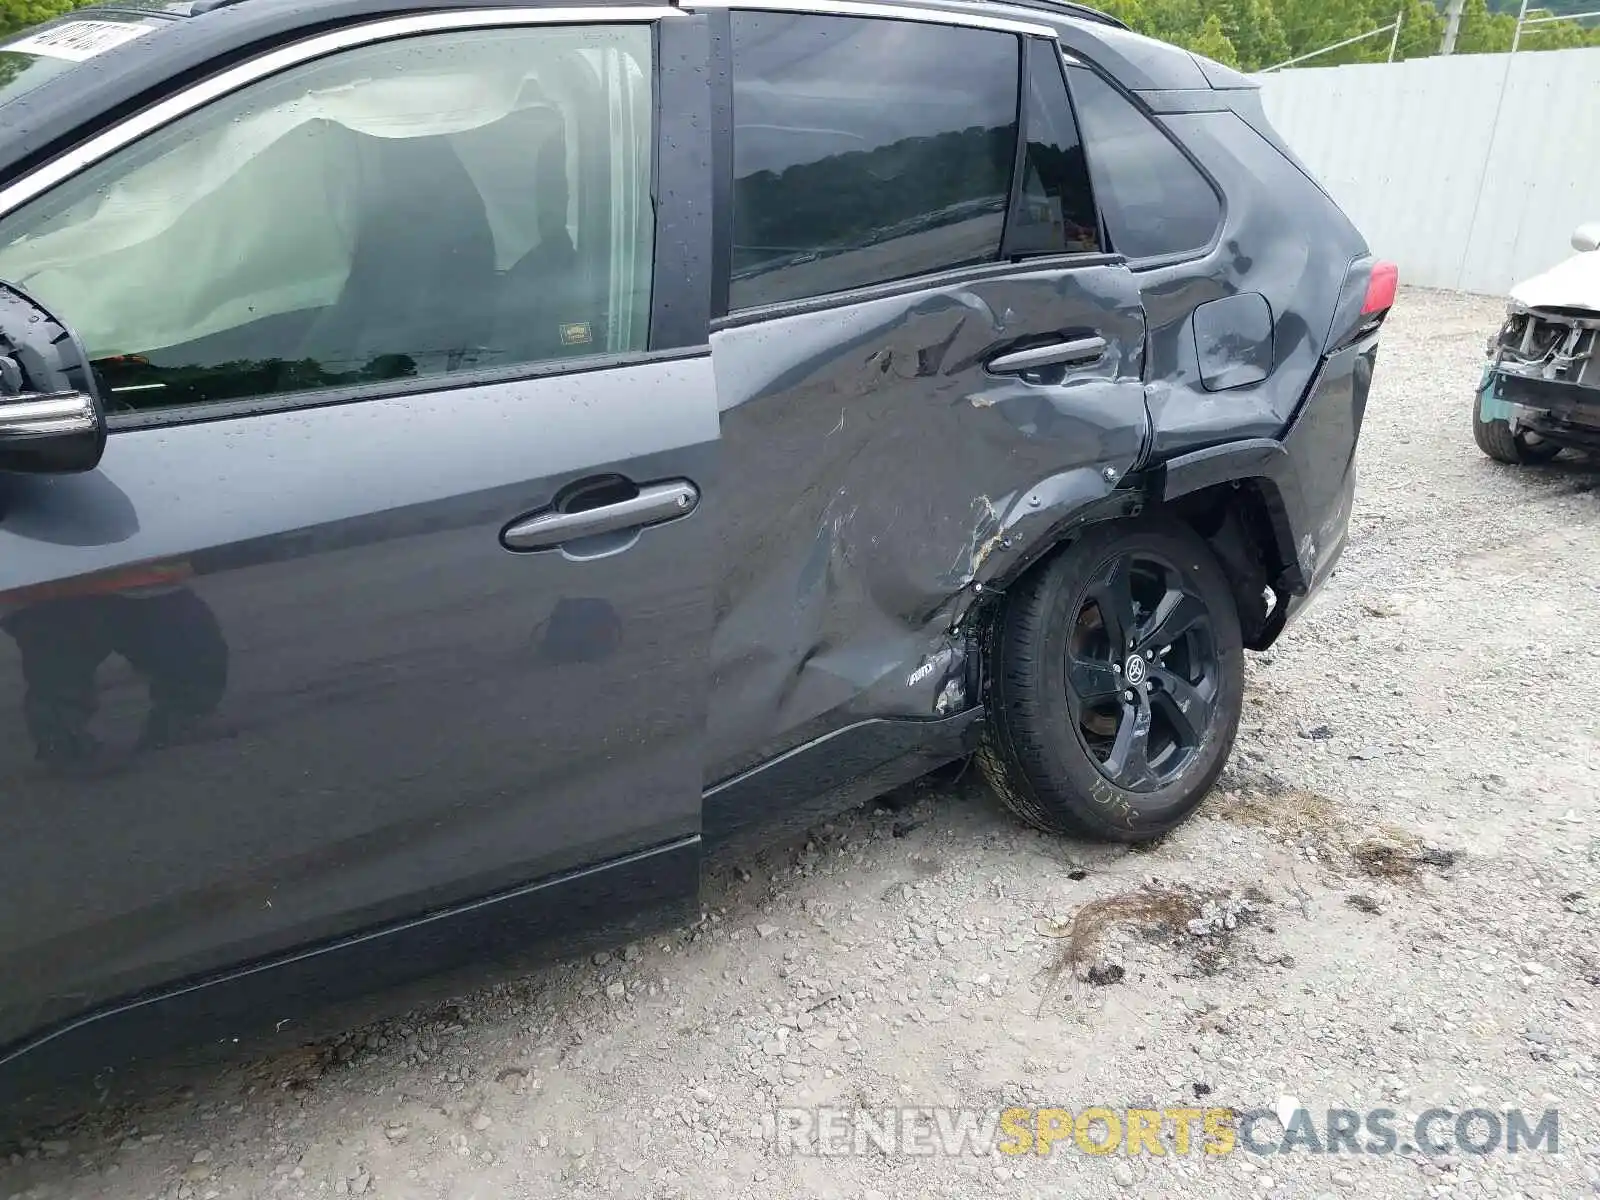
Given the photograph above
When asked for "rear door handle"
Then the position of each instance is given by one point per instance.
(655, 503)
(1078, 350)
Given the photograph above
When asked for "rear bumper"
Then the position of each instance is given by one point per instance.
(1306, 479)
(1317, 486)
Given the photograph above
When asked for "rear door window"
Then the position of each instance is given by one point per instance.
(1155, 201)
(866, 151)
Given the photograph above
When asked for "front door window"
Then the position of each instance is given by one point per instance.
(411, 208)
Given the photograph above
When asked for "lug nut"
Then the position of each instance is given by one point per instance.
(1127, 695)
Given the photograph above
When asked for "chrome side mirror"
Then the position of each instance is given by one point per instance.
(1586, 237)
(51, 418)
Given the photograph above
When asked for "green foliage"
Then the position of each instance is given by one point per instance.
(1213, 42)
(1251, 34)
(1556, 7)
(19, 14)
(1484, 32)
(1255, 29)
(1255, 34)
(1421, 30)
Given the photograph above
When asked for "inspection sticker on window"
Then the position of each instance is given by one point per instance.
(76, 41)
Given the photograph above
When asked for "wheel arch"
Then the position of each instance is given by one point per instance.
(1230, 495)
(1036, 773)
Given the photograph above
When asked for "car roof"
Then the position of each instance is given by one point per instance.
(1067, 8)
(138, 8)
(186, 8)
(197, 36)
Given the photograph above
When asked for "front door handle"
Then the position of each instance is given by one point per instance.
(654, 503)
(1078, 350)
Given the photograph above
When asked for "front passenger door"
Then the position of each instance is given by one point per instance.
(392, 590)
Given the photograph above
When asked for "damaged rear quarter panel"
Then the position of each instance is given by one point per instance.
(877, 471)
(1282, 239)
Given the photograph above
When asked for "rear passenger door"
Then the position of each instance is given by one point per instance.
(392, 591)
(925, 355)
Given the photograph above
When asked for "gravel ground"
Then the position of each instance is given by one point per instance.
(1388, 904)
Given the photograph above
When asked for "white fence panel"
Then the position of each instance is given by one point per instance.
(1471, 171)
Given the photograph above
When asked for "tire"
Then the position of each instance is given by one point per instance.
(1496, 440)
(1054, 758)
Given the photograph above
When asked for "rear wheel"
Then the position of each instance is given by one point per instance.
(1496, 439)
(1118, 685)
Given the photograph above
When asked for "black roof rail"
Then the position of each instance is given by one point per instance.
(1070, 9)
(196, 7)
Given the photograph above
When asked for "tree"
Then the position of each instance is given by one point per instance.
(19, 14)
(1421, 30)
(1483, 32)
(1555, 35)
(1213, 42)
(1311, 25)
(1253, 29)
(1130, 12)
(1178, 21)
(1255, 34)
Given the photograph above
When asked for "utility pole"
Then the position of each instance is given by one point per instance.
(1452, 25)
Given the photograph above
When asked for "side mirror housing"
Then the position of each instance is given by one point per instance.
(1586, 237)
(51, 418)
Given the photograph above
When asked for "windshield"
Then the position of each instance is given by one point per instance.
(32, 56)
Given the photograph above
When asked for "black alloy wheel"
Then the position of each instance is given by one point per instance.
(1142, 671)
(1116, 683)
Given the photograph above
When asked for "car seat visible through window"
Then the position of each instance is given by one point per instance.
(550, 307)
(420, 296)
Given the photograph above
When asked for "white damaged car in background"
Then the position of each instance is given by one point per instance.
(1541, 388)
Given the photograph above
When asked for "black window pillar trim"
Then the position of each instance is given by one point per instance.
(721, 77)
(681, 278)
(1019, 158)
(1064, 59)
(1009, 250)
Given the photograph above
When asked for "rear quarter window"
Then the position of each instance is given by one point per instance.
(1155, 202)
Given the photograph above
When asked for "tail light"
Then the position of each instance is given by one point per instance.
(1377, 283)
(1382, 285)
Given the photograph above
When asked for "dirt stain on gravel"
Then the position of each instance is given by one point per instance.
(1289, 812)
(1398, 856)
(1199, 922)
(1151, 908)
(1315, 824)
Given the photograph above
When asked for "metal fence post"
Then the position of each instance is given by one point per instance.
(1516, 37)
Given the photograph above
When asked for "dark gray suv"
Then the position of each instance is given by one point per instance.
(459, 464)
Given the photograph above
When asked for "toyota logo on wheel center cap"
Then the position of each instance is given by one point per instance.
(1133, 670)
